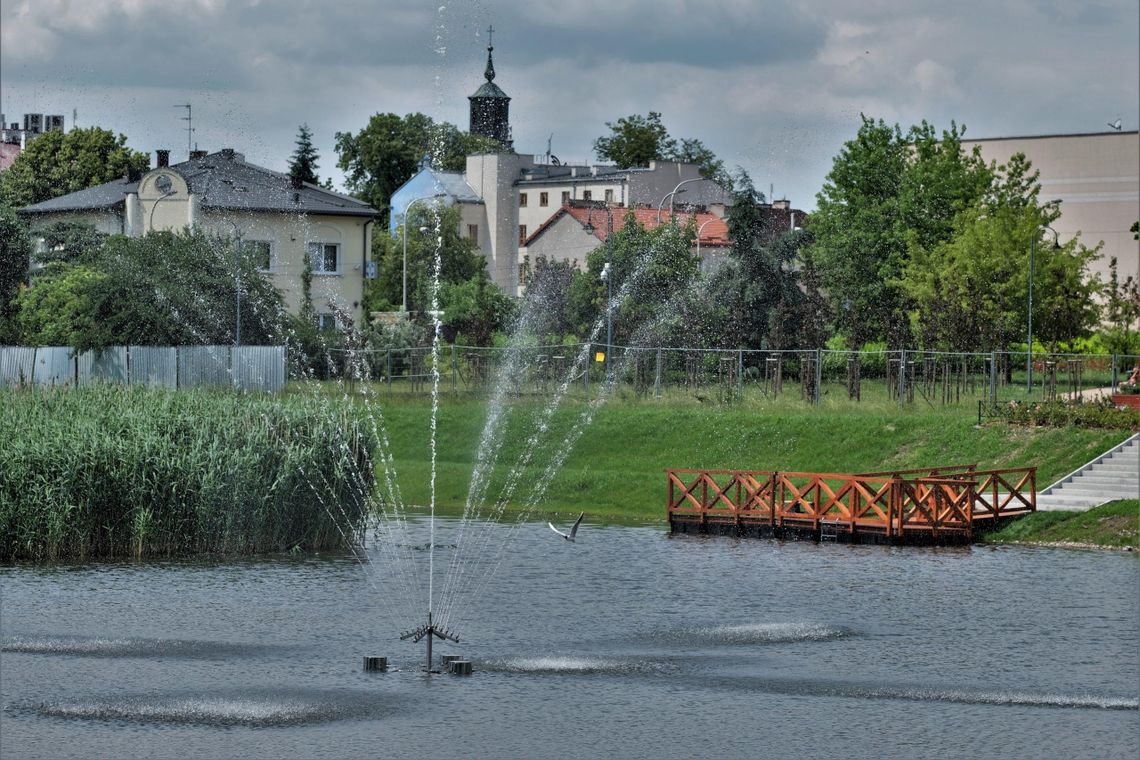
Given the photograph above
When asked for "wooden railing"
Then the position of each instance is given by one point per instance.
(946, 500)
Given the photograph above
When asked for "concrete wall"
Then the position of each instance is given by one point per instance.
(1097, 178)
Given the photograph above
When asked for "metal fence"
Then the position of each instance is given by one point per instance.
(812, 376)
(248, 368)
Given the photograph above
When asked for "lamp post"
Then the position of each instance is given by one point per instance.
(607, 276)
(673, 193)
(1032, 255)
(407, 212)
(699, 231)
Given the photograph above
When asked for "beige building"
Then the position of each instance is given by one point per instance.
(278, 222)
(1097, 178)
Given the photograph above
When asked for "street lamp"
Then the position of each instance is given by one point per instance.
(699, 231)
(607, 276)
(407, 212)
(1032, 254)
(671, 194)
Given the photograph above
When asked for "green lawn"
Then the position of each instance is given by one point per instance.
(1116, 524)
(615, 469)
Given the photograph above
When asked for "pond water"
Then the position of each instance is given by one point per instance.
(628, 643)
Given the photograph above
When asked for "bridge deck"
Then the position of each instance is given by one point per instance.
(932, 506)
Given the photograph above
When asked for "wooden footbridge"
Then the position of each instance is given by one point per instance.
(931, 506)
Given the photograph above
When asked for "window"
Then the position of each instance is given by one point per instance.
(522, 274)
(324, 257)
(544, 199)
(325, 322)
(565, 197)
(473, 231)
(522, 234)
(587, 195)
(522, 200)
(609, 196)
(257, 252)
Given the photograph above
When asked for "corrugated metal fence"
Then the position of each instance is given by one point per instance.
(249, 368)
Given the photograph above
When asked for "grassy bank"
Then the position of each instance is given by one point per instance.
(1113, 525)
(110, 471)
(615, 468)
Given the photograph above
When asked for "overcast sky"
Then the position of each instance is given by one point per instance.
(774, 88)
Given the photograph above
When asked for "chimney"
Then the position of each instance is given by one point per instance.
(228, 154)
(162, 158)
(133, 174)
(198, 154)
(296, 183)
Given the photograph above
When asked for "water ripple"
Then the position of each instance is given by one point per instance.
(258, 709)
(100, 646)
(569, 664)
(756, 633)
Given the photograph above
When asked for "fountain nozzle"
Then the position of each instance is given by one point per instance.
(429, 631)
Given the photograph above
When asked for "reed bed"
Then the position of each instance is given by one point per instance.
(112, 471)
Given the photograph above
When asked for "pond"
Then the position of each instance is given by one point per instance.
(627, 643)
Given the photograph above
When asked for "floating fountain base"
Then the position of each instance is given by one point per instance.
(376, 664)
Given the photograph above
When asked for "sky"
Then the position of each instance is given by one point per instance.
(772, 88)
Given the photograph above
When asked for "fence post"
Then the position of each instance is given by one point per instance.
(902, 377)
(993, 377)
(388, 360)
(586, 370)
(818, 374)
(454, 371)
(739, 373)
(1114, 371)
(657, 377)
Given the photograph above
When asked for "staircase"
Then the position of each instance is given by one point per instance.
(1113, 475)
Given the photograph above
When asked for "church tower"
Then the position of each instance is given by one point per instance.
(490, 106)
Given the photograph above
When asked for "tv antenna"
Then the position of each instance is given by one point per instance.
(189, 119)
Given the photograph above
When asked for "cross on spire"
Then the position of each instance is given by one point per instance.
(490, 72)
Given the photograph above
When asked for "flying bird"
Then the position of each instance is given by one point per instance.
(573, 531)
(1116, 124)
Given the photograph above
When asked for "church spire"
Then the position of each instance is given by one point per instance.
(490, 106)
(490, 72)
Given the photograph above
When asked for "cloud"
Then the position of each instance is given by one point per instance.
(772, 87)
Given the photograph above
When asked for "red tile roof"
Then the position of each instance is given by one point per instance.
(713, 230)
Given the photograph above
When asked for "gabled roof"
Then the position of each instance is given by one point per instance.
(221, 181)
(713, 230)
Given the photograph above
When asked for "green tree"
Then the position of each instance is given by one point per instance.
(636, 140)
(649, 268)
(887, 193)
(757, 295)
(387, 153)
(15, 260)
(303, 163)
(163, 289)
(971, 290)
(58, 163)
(473, 306)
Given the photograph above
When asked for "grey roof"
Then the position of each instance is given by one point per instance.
(489, 90)
(455, 185)
(222, 181)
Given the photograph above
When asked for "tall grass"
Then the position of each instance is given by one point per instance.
(111, 471)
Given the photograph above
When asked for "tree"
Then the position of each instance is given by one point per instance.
(163, 289)
(887, 193)
(758, 298)
(971, 290)
(15, 260)
(303, 164)
(473, 306)
(58, 163)
(1121, 311)
(388, 151)
(636, 140)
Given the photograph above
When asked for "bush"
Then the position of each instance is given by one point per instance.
(1089, 414)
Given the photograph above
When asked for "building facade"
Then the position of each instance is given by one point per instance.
(1096, 177)
(281, 223)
